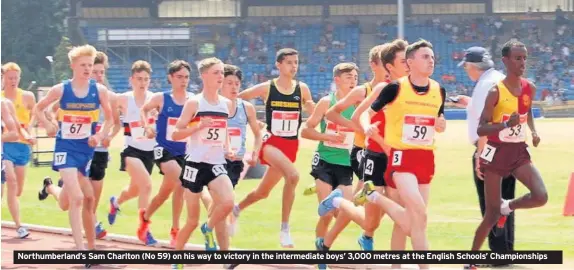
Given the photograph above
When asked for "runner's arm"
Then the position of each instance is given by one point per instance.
(358, 119)
(531, 113)
(254, 125)
(334, 113)
(309, 132)
(104, 95)
(30, 106)
(52, 96)
(258, 91)
(11, 127)
(115, 107)
(485, 127)
(155, 102)
(440, 125)
(182, 127)
(307, 99)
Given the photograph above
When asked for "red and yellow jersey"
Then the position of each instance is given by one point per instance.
(507, 104)
(411, 117)
(378, 117)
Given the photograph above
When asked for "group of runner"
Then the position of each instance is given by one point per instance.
(383, 132)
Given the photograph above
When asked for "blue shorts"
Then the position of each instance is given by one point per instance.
(69, 159)
(17, 153)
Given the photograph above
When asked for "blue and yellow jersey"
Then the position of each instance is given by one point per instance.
(77, 119)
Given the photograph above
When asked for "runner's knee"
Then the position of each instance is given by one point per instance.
(292, 178)
(261, 194)
(540, 197)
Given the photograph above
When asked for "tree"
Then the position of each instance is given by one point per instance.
(31, 29)
(61, 61)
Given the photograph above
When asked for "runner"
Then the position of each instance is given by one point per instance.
(204, 120)
(391, 59)
(285, 99)
(507, 111)
(101, 156)
(331, 166)
(80, 99)
(414, 108)
(137, 157)
(354, 98)
(169, 154)
(245, 114)
(10, 131)
(17, 154)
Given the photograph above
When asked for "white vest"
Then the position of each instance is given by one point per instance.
(208, 144)
(132, 119)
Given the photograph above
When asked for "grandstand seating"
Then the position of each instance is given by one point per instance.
(316, 66)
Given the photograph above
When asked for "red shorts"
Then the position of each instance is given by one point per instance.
(288, 147)
(416, 161)
(504, 158)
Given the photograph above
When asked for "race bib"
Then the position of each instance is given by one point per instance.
(235, 138)
(418, 130)
(75, 127)
(332, 128)
(284, 124)
(137, 130)
(171, 128)
(516, 133)
(214, 134)
(488, 153)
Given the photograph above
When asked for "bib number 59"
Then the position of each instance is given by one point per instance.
(420, 132)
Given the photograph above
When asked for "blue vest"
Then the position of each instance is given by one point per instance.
(238, 122)
(77, 119)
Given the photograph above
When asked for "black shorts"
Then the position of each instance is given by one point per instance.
(357, 156)
(375, 166)
(332, 174)
(99, 165)
(234, 169)
(194, 176)
(161, 155)
(145, 156)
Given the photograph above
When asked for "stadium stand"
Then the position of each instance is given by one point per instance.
(252, 43)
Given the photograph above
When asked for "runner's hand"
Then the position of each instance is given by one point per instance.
(513, 120)
(535, 139)
(372, 129)
(477, 169)
(106, 141)
(337, 138)
(150, 132)
(440, 124)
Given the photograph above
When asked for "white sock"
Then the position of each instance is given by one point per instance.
(284, 226)
(337, 202)
(96, 223)
(372, 197)
(505, 207)
(236, 210)
(115, 203)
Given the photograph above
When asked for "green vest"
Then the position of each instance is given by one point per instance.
(329, 152)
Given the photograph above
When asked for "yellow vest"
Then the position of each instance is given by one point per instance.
(411, 117)
(360, 137)
(22, 113)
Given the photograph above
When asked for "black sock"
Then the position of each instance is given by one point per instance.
(368, 237)
(325, 247)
